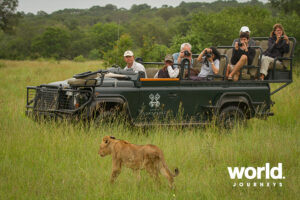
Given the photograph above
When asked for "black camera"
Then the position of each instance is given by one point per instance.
(207, 55)
(282, 37)
(240, 44)
(186, 53)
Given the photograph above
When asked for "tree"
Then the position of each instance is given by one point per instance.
(103, 36)
(8, 15)
(287, 5)
(115, 56)
(54, 42)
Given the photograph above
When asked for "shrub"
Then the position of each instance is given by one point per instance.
(79, 58)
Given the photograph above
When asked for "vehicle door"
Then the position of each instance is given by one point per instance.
(159, 100)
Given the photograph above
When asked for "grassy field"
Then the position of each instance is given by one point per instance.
(60, 161)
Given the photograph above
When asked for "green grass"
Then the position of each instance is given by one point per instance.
(60, 161)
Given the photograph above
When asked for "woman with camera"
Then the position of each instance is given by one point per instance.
(210, 58)
(278, 44)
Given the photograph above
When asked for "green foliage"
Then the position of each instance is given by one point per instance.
(59, 160)
(152, 51)
(8, 16)
(93, 32)
(287, 6)
(115, 56)
(52, 43)
(103, 36)
(94, 54)
(79, 58)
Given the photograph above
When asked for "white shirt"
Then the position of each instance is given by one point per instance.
(173, 73)
(137, 67)
(207, 70)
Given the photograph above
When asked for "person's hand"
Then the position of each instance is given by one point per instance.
(244, 46)
(181, 55)
(210, 59)
(278, 37)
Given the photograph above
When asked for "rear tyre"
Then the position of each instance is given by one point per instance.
(231, 117)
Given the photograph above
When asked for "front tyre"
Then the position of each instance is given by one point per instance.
(231, 117)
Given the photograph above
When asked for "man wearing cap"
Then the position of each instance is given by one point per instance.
(168, 71)
(131, 64)
(245, 29)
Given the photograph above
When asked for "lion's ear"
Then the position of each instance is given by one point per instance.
(112, 137)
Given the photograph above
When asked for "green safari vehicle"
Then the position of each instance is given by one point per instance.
(149, 101)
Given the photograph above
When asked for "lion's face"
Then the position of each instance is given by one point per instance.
(105, 146)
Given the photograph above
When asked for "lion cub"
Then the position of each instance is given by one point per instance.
(136, 157)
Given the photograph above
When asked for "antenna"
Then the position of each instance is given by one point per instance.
(118, 41)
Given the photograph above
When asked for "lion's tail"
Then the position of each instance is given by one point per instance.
(176, 171)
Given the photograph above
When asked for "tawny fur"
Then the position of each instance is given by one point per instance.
(136, 157)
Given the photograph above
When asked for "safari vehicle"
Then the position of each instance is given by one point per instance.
(149, 101)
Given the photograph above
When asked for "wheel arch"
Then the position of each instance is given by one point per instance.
(108, 102)
(240, 99)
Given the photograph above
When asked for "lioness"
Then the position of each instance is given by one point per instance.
(136, 157)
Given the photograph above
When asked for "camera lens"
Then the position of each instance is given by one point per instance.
(186, 53)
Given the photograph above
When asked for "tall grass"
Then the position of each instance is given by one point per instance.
(53, 160)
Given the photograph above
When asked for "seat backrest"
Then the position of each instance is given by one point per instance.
(262, 43)
(151, 72)
(222, 65)
(255, 61)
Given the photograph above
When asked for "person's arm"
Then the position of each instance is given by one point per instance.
(286, 47)
(215, 65)
(173, 73)
(251, 54)
(234, 41)
(156, 75)
(199, 59)
(251, 43)
(271, 43)
(142, 68)
(235, 56)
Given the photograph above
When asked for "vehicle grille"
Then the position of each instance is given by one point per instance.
(52, 99)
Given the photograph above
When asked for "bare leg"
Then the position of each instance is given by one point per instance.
(237, 67)
(227, 70)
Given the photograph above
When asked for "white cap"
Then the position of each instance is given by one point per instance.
(245, 29)
(128, 53)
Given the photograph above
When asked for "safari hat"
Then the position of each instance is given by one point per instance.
(128, 53)
(169, 58)
(245, 29)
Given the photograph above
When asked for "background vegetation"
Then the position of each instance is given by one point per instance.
(105, 32)
(50, 160)
(59, 160)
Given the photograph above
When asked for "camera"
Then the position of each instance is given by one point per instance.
(240, 44)
(186, 53)
(282, 37)
(207, 55)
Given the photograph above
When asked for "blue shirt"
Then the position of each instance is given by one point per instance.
(175, 58)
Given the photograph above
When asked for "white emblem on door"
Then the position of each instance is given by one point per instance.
(154, 100)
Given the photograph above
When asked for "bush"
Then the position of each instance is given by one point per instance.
(94, 54)
(79, 58)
